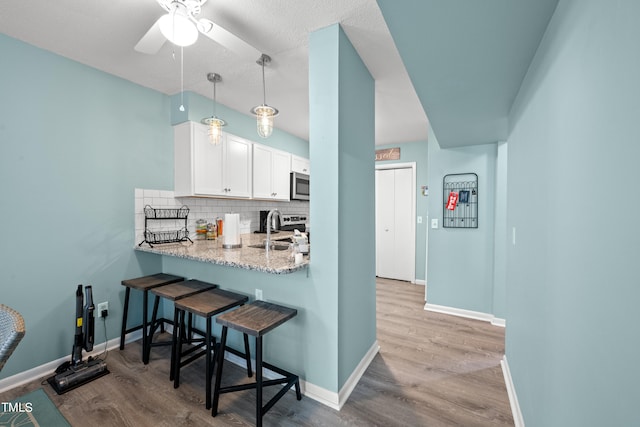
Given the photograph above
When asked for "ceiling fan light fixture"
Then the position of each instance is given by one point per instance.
(264, 113)
(214, 123)
(177, 27)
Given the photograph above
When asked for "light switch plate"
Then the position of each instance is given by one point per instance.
(434, 222)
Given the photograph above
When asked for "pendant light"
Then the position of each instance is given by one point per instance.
(214, 122)
(264, 113)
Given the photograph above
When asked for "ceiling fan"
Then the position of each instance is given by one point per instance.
(180, 26)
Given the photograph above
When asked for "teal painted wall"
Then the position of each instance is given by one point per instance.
(74, 143)
(416, 152)
(461, 261)
(342, 207)
(501, 239)
(356, 227)
(572, 333)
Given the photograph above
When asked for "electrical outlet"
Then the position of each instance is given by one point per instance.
(101, 307)
(259, 294)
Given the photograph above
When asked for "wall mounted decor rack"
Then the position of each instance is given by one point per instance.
(460, 200)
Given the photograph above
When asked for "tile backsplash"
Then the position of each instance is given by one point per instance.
(205, 208)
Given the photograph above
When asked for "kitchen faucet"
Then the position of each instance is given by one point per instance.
(269, 215)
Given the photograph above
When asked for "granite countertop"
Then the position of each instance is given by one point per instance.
(246, 257)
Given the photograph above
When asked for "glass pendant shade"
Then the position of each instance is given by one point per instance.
(264, 113)
(215, 129)
(178, 28)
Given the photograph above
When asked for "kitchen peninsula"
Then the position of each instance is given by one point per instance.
(247, 257)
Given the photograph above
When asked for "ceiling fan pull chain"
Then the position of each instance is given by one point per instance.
(181, 78)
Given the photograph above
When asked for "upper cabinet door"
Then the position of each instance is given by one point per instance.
(300, 164)
(270, 173)
(203, 169)
(280, 175)
(237, 166)
(208, 177)
(262, 170)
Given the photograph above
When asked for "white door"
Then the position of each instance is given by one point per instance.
(395, 235)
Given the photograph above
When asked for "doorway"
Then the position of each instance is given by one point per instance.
(395, 221)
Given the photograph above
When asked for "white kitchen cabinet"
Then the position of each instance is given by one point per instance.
(206, 170)
(300, 164)
(270, 173)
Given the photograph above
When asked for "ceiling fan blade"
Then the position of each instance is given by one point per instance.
(227, 39)
(152, 41)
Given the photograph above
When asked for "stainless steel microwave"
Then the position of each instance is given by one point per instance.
(299, 186)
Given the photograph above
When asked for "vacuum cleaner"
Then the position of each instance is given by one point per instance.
(74, 373)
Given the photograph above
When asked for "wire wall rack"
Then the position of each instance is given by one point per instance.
(156, 237)
(460, 200)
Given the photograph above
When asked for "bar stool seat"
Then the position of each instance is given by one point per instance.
(255, 319)
(143, 284)
(205, 304)
(173, 292)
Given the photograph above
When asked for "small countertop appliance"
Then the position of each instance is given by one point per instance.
(284, 222)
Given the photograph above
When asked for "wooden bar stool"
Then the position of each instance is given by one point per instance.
(143, 284)
(205, 304)
(255, 319)
(173, 292)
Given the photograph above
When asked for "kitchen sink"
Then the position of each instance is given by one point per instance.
(277, 247)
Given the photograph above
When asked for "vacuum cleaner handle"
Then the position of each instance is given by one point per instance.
(89, 326)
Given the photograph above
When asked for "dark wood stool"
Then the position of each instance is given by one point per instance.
(255, 319)
(143, 284)
(173, 292)
(205, 304)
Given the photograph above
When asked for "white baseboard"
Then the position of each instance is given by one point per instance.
(511, 391)
(477, 315)
(357, 373)
(420, 282)
(50, 367)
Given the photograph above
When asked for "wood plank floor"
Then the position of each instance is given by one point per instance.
(432, 370)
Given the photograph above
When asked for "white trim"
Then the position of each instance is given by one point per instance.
(496, 321)
(357, 373)
(511, 391)
(50, 367)
(477, 315)
(420, 282)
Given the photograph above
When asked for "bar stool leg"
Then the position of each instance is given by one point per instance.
(176, 342)
(145, 341)
(124, 317)
(247, 355)
(208, 364)
(259, 381)
(152, 326)
(220, 357)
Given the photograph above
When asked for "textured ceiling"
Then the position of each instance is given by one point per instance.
(102, 34)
